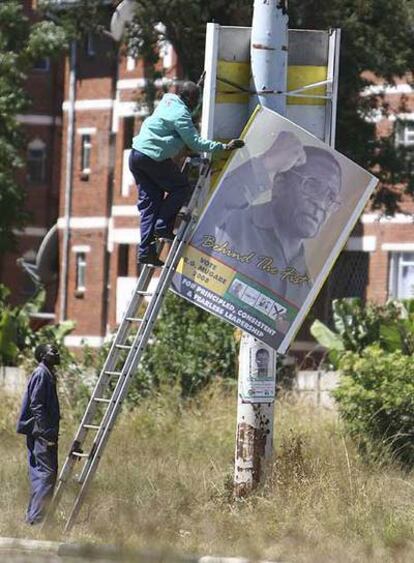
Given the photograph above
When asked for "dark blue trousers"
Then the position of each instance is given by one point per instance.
(162, 191)
(43, 466)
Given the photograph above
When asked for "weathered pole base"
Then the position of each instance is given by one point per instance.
(254, 444)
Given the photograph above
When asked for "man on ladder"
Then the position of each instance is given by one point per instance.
(162, 136)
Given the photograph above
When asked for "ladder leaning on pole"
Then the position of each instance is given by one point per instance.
(122, 361)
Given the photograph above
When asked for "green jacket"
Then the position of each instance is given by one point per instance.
(165, 133)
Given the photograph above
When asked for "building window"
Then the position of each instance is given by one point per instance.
(90, 45)
(349, 277)
(401, 284)
(36, 162)
(123, 259)
(86, 154)
(129, 126)
(42, 64)
(131, 63)
(80, 271)
(404, 133)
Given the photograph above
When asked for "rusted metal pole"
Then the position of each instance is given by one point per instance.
(255, 410)
(268, 54)
(256, 391)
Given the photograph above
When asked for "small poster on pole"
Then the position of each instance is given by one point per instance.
(282, 211)
(257, 379)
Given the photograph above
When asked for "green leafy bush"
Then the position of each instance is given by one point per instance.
(376, 400)
(17, 338)
(189, 347)
(358, 325)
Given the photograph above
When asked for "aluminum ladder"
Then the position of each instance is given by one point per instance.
(123, 359)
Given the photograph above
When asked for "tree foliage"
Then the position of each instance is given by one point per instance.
(77, 20)
(184, 26)
(20, 45)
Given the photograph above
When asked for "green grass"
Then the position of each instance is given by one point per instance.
(165, 484)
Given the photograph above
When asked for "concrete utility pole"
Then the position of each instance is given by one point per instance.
(268, 54)
(257, 362)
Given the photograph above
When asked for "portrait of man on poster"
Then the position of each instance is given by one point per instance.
(262, 360)
(274, 202)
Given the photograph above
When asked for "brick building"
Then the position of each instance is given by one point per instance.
(85, 112)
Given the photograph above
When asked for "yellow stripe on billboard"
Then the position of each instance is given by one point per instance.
(304, 75)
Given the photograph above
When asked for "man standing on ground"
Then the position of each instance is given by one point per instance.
(162, 136)
(39, 421)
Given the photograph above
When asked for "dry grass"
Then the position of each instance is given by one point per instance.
(165, 479)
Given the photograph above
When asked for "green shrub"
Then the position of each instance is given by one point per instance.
(17, 338)
(358, 325)
(376, 400)
(189, 347)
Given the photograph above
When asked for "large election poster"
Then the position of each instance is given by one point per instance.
(281, 213)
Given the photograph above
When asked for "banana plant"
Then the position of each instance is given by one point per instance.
(357, 325)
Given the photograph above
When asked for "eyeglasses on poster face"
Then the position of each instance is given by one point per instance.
(316, 189)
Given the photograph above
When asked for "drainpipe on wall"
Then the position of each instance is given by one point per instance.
(112, 146)
(68, 182)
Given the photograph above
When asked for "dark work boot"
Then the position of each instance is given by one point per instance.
(166, 235)
(150, 259)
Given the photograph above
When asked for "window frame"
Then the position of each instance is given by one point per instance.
(404, 133)
(81, 265)
(396, 265)
(44, 68)
(39, 146)
(123, 260)
(86, 153)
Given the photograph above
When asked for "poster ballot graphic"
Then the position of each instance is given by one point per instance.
(279, 216)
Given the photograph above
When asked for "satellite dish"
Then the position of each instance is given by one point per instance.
(47, 257)
(123, 14)
(45, 269)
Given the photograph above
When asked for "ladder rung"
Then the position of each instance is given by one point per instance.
(78, 454)
(101, 400)
(92, 426)
(145, 293)
(113, 372)
(123, 346)
(134, 319)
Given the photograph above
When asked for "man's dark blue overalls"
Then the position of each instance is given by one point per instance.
(39, 421)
